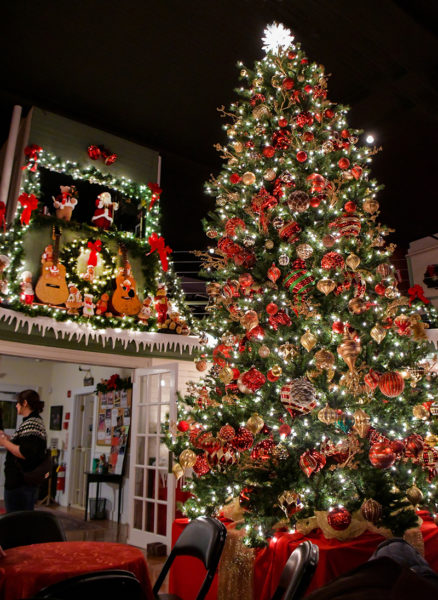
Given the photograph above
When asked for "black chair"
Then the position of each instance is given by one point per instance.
(26, 527)
(297, 572)
(203, 538)
(112, 585)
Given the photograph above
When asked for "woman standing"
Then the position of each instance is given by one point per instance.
(26, 450)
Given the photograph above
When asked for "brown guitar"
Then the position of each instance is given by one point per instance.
(52, 286)
(125, 300)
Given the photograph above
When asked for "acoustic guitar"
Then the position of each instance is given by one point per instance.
(52, 286)
(125, 300)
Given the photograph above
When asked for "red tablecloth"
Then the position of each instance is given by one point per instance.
(26, 569)
(335, 558)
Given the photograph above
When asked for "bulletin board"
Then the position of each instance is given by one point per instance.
(114, 421)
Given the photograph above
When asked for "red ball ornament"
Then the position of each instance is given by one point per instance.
(315, 202)
(283, 122)
(284, 429)
(356, 171)
(414, 445)
(380, 289)
(332, 260)
(391, 384)
(301, 156)
(243, 440)
(308, 89)
(329, 113)
(397, 446)
(201, 466)
(263, 450)
(304, 61)
(245, 280)
(272, 308)
(268, 151)
(338, 327)
(183, 426)
(345, 133)
(350, 207)
(252, 379)
(235, 178)
(291, 55)
(339, 518)
(343, 163)
(372, 379)
(381, 455)
(287, 83)
(226, 433)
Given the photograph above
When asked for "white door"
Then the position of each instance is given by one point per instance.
(152, 487)
(82, 441)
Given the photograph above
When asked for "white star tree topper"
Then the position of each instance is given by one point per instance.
(276, 38)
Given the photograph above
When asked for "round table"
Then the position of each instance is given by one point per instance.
(27, 569)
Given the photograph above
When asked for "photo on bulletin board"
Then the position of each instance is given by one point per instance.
(114, 419)
(56, 418)
(119, 444)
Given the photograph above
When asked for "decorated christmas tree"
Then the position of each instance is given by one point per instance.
(318, 403)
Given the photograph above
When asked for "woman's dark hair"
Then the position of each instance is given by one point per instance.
(33, 400)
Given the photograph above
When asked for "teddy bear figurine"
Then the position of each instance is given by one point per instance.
(102, 305)
(74, 300)
(65, 202)
(145, 311)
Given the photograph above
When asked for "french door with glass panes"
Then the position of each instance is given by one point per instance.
(152, 486)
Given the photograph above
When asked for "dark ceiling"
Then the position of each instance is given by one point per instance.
(155, 71)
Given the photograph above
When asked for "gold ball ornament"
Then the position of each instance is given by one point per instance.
(324, 359)
(420, 412)
(361, 422)
(269, 244)
(269, 174)
(226, 375)
(178, 471)
(276, 371)
(280, 452)
(261, 112)
(308, 340)
(370, 206)
(304, 251)
(371, 510)
(326, 286)
(201, 364)
(414, 495)
(378, 333)
(233, 197)
(249, 178)
(327, 415)
(352, 261)
(249, 320)
(264, 351)
(187, 459)
(255, 424)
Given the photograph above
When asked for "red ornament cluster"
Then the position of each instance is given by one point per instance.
(96, 152)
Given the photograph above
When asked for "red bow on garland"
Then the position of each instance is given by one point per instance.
(157, 243)
(31, 152)
(29, 202)
(108, 157)
(416, 291)
(2, 215)
(156, 192)
(94, 247)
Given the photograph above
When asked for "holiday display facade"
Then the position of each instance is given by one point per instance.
(85, 247)
(319, 395)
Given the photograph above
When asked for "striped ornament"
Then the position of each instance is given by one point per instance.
(347, 225)
(299, 281)
(391, 384)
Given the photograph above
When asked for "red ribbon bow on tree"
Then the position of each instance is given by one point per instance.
(29, 202)
(31, 152)
(156, 192)
(94, 247)
(416, 291)
(2, 215)
(157, 243)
